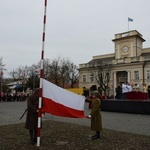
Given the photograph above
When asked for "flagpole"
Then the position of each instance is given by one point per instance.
(41, 77)
(128, 25)
(129, 19)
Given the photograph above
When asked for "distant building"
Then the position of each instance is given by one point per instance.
(14, 85)
(130, 62)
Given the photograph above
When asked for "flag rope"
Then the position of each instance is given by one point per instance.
(41, 76)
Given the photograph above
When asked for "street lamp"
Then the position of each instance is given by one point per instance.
(1, 74)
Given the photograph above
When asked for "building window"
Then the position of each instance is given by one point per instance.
(100, 76)
(91, 78)
(148, 74)
(84, 78)
(136, 75)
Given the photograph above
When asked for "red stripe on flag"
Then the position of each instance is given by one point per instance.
(49, 106)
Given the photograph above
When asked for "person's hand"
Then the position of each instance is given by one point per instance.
(89, 116)
(43, 115)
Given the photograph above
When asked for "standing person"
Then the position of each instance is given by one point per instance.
(148, 90)
(129, 87)
(95, 116)
(124, 90)
(118, 92)
(32, 116)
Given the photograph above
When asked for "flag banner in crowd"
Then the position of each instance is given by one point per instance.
(61, 102)
(130, 19)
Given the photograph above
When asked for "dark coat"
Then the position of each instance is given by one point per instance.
(118, 92)
(96, 119)
(32, 114)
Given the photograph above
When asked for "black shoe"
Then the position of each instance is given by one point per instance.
(32, 142)
(96, 137)
(93, 136)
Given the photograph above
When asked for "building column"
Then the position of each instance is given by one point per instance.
(115, 85)
(118, 51)
(128, 77)
(131, 48)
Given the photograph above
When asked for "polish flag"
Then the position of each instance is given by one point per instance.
(60, 102)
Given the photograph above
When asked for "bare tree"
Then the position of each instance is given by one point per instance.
(62, 71)
(59, 71)
(46, 68)
(1, 64)
(20, 73)
(101, 74)
(33, 76)
(73, 74)
(64, 68)
(54, 71)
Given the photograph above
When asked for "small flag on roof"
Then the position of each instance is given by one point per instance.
(130, 19)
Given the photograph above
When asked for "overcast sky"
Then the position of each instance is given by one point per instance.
(75, 29)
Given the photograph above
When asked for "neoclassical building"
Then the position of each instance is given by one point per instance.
(130, 63)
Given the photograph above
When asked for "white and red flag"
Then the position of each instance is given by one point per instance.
(60, 102)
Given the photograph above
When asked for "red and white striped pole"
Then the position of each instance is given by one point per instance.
(41, 77)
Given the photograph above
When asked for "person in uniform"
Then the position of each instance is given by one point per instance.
(90, 102)
(95, 115)
(32, 116)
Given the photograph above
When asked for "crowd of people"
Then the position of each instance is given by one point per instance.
(12, 97)
(123, 89)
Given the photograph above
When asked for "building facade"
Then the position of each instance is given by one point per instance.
(130, 63)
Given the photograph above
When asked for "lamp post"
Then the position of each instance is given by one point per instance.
(1, 74)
